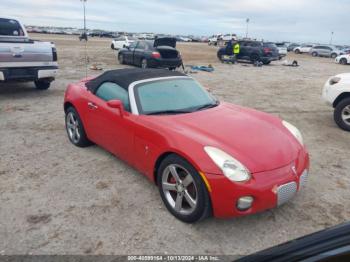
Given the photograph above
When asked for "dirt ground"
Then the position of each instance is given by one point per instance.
(59, 199)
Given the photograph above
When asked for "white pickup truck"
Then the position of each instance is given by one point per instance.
(23, 59)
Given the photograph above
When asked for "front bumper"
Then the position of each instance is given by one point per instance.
(28, 73)
(268, 189)
(164, 63)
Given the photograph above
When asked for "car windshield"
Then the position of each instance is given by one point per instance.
(172, 96)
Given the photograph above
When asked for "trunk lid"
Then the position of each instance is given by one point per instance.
(165, 41)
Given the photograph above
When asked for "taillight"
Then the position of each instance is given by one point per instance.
(267, 50)
(54, 54)
(156, 55)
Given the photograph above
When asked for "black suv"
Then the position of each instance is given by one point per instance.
(252, 51)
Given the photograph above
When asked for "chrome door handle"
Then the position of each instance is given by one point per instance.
(92, 105)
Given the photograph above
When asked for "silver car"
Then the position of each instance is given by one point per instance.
(326, 51)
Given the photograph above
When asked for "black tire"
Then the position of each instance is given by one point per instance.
(172, 68)
(121, 59)
(82, 141)
(334, 55)
(144, 63)
(112, 46)
(297, 51)
(42, 84)
(220, 54)
(202, 208)
(314, 54)
(255, 58)
(266, 62)
(339, 111)
(343, 61)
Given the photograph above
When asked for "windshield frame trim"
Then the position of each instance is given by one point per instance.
(132, 98)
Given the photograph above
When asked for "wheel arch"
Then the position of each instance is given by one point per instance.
(340, 98)
(344, 59)
(67, 105)
(163, 155)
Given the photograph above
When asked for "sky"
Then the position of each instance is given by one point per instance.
(273, 20)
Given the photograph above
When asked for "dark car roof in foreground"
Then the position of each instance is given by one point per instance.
(305, 247)
(124, 77)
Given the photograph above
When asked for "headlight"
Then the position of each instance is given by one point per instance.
(295, 131)
(334, 80)
(232, 168)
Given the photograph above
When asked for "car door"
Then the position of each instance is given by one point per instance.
(243, 52)
(321, 50)
(109, 127)
(328, 51)
(129, 53)
(139, 53)
(305, 48)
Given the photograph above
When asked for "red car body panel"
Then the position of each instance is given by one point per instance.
(256, 139)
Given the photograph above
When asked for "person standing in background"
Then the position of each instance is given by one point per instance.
(236, 50)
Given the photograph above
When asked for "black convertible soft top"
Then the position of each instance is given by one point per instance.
(124, 77)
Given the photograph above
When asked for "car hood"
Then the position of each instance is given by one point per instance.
(256, 139)
(165, 41)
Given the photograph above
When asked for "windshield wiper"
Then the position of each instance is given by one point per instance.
(206, 106)
(169, 112)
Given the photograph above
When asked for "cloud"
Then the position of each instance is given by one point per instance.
(294, 20)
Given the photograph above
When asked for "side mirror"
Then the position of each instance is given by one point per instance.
(116, 104)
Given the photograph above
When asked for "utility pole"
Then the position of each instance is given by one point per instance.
(246, 31)
(84, 37)
(330, 42)
(84, 1)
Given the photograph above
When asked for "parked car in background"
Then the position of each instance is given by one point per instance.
(206, 157)
(160, 52)
(303, 48)
(213, 40)
(282, 49)
(326, 51)
(336, 93)
(23, 59)
(291, 46)
(253, 51)
(183, 39)
(121, 42)
(228, 37)
(343, 59)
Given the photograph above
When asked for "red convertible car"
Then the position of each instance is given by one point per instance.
(207, 157)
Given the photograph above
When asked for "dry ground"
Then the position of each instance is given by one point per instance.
(59, 199)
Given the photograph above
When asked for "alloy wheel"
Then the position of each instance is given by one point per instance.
(345, 115)
(179, 189)
(73, 127)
